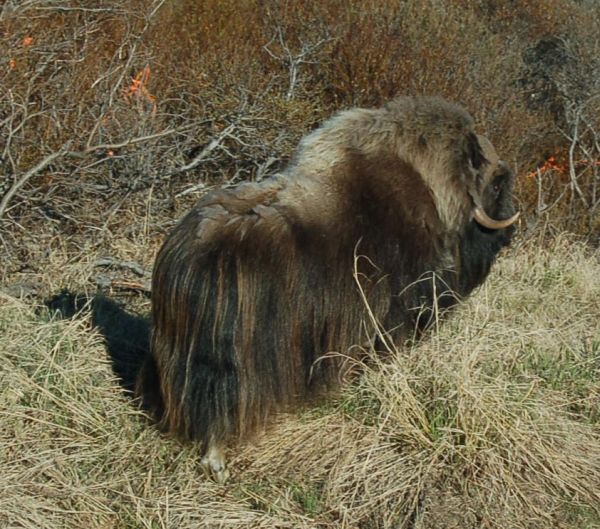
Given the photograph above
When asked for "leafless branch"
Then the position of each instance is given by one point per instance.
(192, 189)
(75, 8)
(126, 143)
(204, 153)
(292, 59)
(572, 170)
(541, 206)
(111, 262)
(32, 172)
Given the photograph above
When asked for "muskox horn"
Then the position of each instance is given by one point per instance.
(484, 220)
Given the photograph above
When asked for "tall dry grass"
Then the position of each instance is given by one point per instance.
(490, 421)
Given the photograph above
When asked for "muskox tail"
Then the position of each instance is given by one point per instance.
(127, 338)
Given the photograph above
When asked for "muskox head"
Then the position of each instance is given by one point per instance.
(493, 194)
(258, 285)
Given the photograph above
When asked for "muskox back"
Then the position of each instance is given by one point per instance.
(256, 294)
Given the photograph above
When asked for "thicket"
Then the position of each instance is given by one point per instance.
(114, 118)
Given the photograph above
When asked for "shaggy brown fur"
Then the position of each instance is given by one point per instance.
(254, 288)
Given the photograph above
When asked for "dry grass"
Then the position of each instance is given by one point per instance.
(491, 421)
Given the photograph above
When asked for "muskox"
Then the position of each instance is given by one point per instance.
(261, 291)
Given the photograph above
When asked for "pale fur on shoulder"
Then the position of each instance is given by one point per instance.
(426, 133)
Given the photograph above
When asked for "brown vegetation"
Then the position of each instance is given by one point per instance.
(153, 101)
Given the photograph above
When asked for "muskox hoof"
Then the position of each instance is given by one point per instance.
(213, 464)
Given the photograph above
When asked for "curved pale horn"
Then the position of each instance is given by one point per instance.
(487, 222)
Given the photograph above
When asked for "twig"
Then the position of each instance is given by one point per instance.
(572, 173)
(123, 284)
(136, 268)
(205, 152)
(67, 9)
(145, 287)
(293, 60)
(193, 189)
(131, 141)
(33, 171)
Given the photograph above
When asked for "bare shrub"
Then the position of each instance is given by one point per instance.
(139, 91)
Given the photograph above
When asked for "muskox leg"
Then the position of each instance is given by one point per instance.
(213, 463)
